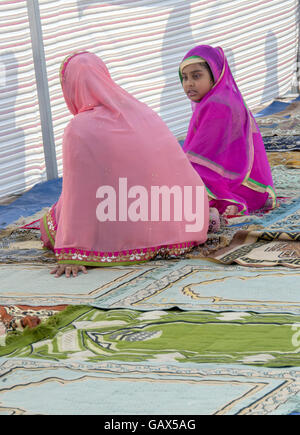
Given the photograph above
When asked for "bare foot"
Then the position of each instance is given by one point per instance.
(231, 210)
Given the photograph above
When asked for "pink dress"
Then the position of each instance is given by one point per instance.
(117, 153)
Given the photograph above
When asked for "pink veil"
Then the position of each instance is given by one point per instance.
(223, 142)
(113, 136)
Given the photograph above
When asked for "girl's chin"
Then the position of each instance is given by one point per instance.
(195, 99)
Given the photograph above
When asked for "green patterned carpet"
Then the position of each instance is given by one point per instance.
(85, 333)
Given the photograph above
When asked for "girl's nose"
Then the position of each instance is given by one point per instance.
(190, 82)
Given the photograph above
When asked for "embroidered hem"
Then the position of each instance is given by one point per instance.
(94, 258)
(50, 225)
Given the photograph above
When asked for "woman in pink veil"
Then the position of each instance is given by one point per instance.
(116, 151)
(223, 142)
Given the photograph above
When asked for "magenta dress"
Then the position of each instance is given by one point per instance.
(224, 144)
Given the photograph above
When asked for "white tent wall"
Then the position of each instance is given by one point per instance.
(22, 161)
(142, 43)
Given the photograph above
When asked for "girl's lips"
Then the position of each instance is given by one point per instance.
(192, 93)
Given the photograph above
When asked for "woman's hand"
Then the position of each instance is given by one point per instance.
(68, 269)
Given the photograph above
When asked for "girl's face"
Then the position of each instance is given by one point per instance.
(196, 81)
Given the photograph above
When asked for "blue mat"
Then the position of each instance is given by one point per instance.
(275, 107)
(41, 195)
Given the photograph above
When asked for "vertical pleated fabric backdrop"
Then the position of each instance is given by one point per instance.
(142, 43)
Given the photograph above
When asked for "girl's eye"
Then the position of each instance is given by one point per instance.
(196, 76)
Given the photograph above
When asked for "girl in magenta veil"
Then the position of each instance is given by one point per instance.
(223, 142)
(114, 138)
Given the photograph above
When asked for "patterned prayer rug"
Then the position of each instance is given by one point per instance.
(271, 239)
(288, 159)
(30, 386)
(86, 361)
(284, 122)
(188, 284)
(283, 150)
(257, 249)
(23, 246)
(282, 144)
(93, 335)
